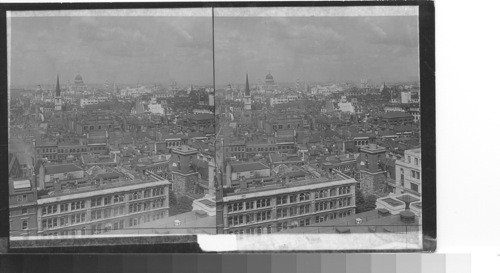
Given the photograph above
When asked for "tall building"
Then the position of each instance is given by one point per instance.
(22, 207)
(287, 205)
(246, 114)
(372, 173)
(184, 177)
(78, 85)
(99, 208)
(408, 173)
(57, 97)
(247, 99)
(270, 84)
(270, 80)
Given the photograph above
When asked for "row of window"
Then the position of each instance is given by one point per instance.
(63, 221)
(260, 149)
(293, 211)
(285, 225)
(73, 150)
(286, 199)
(249, 218)
(333, 204)
(252, 230)
(259, 203)
(101, 228)
(332, 216)
(22, 198)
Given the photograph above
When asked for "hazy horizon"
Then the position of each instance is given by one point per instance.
(320, 49)
(102, 49)
(147, 50)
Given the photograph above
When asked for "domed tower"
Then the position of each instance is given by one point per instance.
(270, 79)
(79, 80)
(79, 85)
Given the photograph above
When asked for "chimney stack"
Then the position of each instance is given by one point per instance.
(57, 185)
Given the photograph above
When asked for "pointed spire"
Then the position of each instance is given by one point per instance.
(247, 88)
(58, 88)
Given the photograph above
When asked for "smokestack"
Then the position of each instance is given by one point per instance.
(57, 185)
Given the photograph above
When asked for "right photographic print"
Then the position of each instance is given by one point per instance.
(318, 124)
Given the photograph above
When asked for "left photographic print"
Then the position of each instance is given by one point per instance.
(111, 123)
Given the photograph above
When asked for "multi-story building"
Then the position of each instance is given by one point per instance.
(284, 205)
(47, 149)
(372, 174)
(22, 207)
(64, 173)
(184, 176)
(92, 101)
(236, 171)
(95, 209)
(409, 173)
(282, 99)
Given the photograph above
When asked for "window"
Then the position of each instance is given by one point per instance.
(63, 221)
(249, 205)
(25, 224)
(416, 161)
(304, 196)
(235, 207)
(333, 191)
(64, 207)
(22, 198)
(147, 193)
(263, 203)
(49, 223)
(49, 209)
(293, 198)
(414, 187)
(107, 200)
(77, 205)
(96, 202)
(118, 198)
(77, 218)
(280, 200)
(24, 211)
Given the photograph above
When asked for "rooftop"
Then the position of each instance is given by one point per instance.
(63, 168)
(248, 166)
(297, 182)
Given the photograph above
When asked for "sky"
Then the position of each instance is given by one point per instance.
(316, 49)
(128, 49)
(160, 49)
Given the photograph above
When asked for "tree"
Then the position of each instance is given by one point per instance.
(365, 202)
(184, 204)
(172, 200)
(370, 202)
(360, 201)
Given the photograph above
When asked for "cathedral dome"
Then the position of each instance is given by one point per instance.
(78, 79)
(269, 76)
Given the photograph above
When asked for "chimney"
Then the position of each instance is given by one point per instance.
(243, 183)
(57, 185)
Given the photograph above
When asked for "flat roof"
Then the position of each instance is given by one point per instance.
(301, 184)
(248, 166)
(21, 184)
(63, 168)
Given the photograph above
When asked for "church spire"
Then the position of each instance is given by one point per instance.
(247, 88)
(58, 88)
